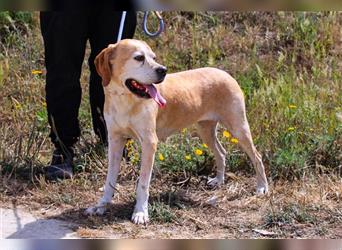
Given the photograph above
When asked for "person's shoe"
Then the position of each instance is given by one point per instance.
(61, 166)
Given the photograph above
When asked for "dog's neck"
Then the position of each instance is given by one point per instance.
(116, 89)
(120, 98)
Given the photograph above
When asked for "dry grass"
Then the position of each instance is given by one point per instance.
(309, 208)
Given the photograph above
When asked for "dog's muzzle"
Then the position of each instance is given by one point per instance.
(161, 73)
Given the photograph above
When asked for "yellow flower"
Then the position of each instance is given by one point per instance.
(184, 130)
(234, 140)
(291, 106)
(198, 152)
(205, 145)
(17, 106)
(44, 104)
(226, 134)
(129, 143)
(36, 72)
(136, 158)
(161, 157)
(291, 128)
(188, 157)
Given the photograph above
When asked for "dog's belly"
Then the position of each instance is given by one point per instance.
(163, 133)
(166, 129)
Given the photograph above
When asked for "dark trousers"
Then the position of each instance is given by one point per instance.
(65, 35)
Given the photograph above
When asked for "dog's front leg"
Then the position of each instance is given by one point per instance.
(115, 149)
(148, 147)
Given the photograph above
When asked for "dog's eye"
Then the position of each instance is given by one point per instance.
(139, 58)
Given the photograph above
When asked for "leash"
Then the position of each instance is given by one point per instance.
(122, 22)
(160, 27)
(145, 29)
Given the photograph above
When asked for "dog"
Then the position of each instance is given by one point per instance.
(143, 102)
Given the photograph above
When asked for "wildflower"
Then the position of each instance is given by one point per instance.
(135, 158)
(36, 72)
(184, 130)
(17, 106)
(291, 129)
(205, 145)
(226, 134)
(291, 106)
(44, 104)
(198, 152)
(188, 157)
(129, 144)
(161, 157)
(234, 140)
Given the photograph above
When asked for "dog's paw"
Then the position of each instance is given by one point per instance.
(96, 210)
(262, 190)
(215, 182)
(140, 218)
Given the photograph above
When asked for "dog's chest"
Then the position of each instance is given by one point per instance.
(129, 119)
(116, 120)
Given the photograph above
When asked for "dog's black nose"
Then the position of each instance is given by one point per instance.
(161, 71)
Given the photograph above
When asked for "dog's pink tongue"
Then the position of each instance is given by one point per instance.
(155, 95)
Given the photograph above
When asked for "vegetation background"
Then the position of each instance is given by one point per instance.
(289, 65)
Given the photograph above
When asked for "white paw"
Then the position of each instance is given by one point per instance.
(214, 182)
(140, 218)
(261, 190)
(96, 210)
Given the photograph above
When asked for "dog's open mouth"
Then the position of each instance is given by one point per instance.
(145, 91)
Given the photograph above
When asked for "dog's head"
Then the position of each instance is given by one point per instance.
(131, 64)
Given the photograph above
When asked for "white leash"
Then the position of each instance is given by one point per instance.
(122, 22)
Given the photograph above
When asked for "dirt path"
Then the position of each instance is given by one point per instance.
(300, 209)
(19, 224)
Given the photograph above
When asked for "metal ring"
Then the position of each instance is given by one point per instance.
(160, 28)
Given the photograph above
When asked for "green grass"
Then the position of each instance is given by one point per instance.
(288, 65)
(159, 212)
(289, 215)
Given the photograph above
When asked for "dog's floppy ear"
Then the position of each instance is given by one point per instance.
(102, 64)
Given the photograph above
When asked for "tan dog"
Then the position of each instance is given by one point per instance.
(136, 107)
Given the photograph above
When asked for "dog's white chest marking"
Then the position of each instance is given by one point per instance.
(120, 116)
(115, 118)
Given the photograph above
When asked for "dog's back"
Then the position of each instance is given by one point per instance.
(195, 95)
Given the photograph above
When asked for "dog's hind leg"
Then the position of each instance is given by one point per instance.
(239, 128)
(207, 131)
(115, 149)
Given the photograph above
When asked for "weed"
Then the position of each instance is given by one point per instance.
(161, 213)
(289, 215)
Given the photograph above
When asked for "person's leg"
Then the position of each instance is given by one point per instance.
(104, 27)
(64, 35)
